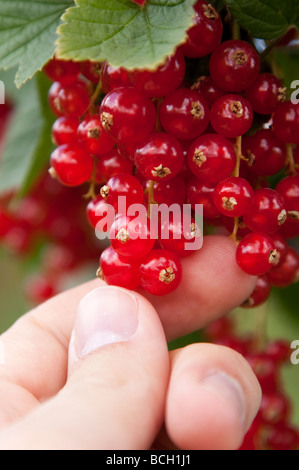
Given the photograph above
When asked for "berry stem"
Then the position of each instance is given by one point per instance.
(261, 328)
(151, 196)
(91, 194)
(290, 161)
(238, 147)
(95, 95)
(236, 30)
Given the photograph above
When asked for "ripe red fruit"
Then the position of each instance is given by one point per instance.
(111, 164)
(234, 65)
(93, 136)
(64, 130)
(122, 185)
(202, 193)
(128, 115)
(287, 272)
(65, 72)
(167, 78)
(97, 211)
(233, 196)
(131, 237)
(118, 272)
(114, 77)
(256, 254)
(208, 89)
(71, 165)
(159, 157)
(184, 114)
(267, 212)
(211, 158)
(168, 192)
(206, 33)
(70, 100)
(265, 93)
(91, 70)
(260, 294)
(286, 122)
(160, 272)
(181, 236)
(231, 116)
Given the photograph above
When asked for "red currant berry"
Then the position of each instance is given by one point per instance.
(233, 196)
(260, 294)
(94, 137)
(202, 194)
(39, 289)
(97, 212)
(72, 100)
(91, 70)
(131, 237)
(123, 185)
(208, 89)
(289, 189)
(256, 254)
(265, 153)
(118, 272)
(279, 351)
(65, 72)
(231, 116)
(112, 164)
(206, 33)
(181, 235)
(127, 115)
(159, 157)
(168, 192)
(234, 65)
(275, 407)
(58, 258)
(160, 272)
(265, 93)
(282, 437)
(114, 77)
(71, 165)
(286, 273)
(281, 246)
(267, 212)
(286, 122)
(211, 158)
(167, 78)
(64, 130)
(184, 114)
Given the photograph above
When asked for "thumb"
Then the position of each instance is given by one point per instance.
(118, 373)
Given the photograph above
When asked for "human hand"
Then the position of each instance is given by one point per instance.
(102, 378)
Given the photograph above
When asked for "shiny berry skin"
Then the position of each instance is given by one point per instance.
(286, 122)
(159, 157)
(160, 272)
(233, 196)
(167, 78)
(168, 192)
(70, 100)
(267, 212)
(64, 130)
(231, 116)
(234, 65)
(128, 115)
(123, 185)
(208, 89)
(265, 93)
(62, 71)
(289, 189)
(131, 237)
(260, 294)
(71, 165)
(202, 193)
(93, 136)
(91, 70)
(256, 254)
(211, 158)
(118, 272)
(96, 212)
(180, 235)
(114, 77)
(205, 34)
(275, 408)
(185, 114)
(266, 154)
(281, 247)
(111, 164)
(287, 272)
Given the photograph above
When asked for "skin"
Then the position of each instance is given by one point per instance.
(202, 396)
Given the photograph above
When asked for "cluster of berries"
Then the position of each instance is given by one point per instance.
(153, 137)
(272, 428)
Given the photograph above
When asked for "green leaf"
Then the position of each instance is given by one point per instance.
(28, 141)
(28, 34)
(265, 19)
(124, 33)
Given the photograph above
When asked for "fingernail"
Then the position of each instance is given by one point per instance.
(106, 315)
(227, 389)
